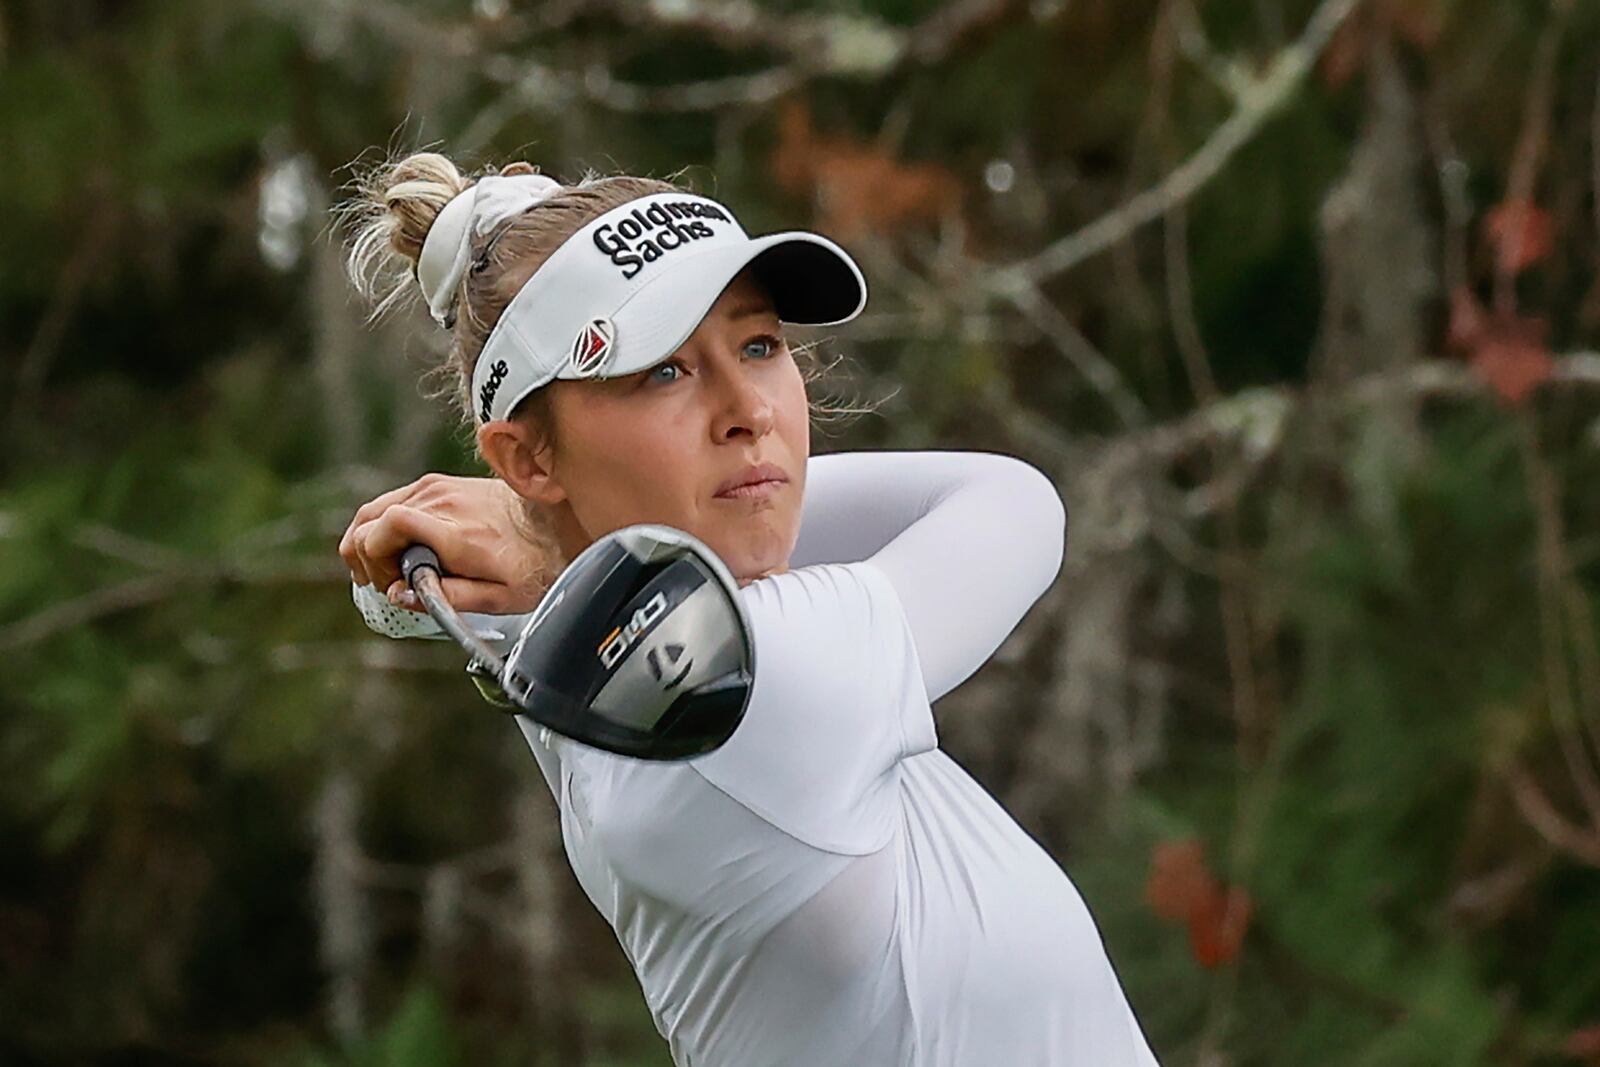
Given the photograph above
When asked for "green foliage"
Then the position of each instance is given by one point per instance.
(418, 1034)
(188, 428)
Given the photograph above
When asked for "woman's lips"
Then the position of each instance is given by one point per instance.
(757, 479)
(755, 489)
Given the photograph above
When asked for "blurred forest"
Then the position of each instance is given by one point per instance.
(1295, 299)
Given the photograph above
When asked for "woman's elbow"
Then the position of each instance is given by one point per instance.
(1041, 516)
(1053, 527)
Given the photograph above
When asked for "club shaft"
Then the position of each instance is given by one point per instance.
(425, 580)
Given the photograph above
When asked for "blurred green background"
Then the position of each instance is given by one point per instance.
(1296, 302)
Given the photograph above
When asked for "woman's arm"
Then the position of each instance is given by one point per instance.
(969, 540)
(850, 653)
(855, 503)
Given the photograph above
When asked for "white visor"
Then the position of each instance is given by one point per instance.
(623, 293)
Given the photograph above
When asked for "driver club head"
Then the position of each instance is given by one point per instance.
(641, 647)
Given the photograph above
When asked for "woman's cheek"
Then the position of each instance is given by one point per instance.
(669, 484)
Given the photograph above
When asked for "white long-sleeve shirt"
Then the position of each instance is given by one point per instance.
(829, 887)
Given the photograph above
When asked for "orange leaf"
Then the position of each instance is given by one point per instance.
(858, 188)
(1521, 234)
(1179, 881)
(1181, 888)
(1584, 1044)
(1415, 21)
(1345, 53)
(1217, 929)
(1512, 359)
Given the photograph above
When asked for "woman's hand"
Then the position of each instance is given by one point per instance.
(471, 523)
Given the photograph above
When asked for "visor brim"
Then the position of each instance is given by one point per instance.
(811, 281)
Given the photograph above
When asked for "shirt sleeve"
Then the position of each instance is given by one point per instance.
(837, 703)
(969, 541)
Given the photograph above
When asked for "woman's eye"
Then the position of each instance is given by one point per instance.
(761, 347)
(655, 374)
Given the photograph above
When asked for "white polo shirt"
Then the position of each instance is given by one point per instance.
(829, 888)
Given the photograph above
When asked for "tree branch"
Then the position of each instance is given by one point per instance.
(1087, 360)
(1258, 101)
(1541, 814)
(153, 588)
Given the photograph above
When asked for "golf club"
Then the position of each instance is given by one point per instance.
(641, 647)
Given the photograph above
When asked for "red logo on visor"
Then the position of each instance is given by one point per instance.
(592, 349)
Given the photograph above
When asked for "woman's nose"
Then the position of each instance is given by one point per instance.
(743, 406)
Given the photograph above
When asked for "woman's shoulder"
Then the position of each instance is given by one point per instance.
(821, 592)
(829, 638)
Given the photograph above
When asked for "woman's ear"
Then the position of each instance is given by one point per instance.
(525, 464)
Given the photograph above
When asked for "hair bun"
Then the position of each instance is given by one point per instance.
(395, 206)
(416, 190)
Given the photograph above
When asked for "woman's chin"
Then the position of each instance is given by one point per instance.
(745, 578)
(747, 565)
(746, 569)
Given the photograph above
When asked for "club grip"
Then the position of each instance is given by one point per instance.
(419, 556)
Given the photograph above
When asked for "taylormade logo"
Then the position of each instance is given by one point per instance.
(647, 235)
(497, 374)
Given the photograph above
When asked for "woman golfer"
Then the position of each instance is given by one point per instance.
(827, 889)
